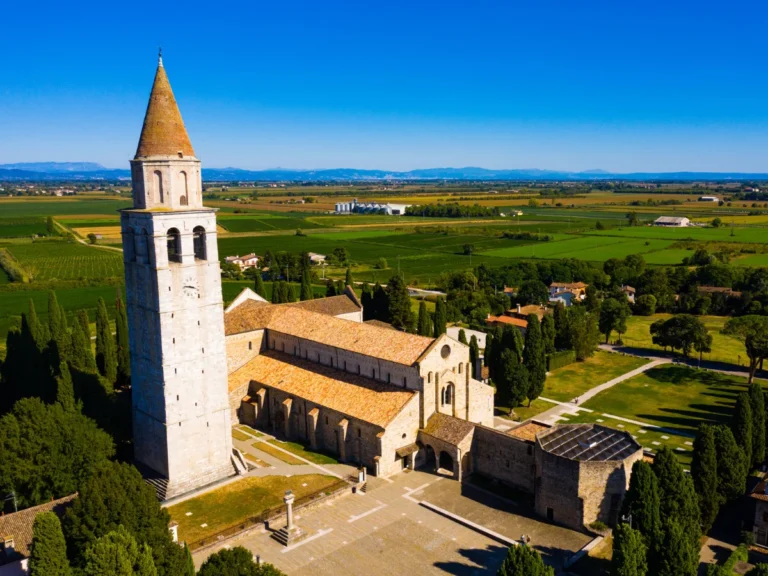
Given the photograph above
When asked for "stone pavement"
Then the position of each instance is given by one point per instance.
(387, 532)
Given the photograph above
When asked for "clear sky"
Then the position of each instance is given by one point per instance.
(619, 85)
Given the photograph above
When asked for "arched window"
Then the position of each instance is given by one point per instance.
(174, 245)
(442, 397)
(198, 242)
(184, 189)
(449, 394)
(158, 178)
(459, 368)
(429, 377)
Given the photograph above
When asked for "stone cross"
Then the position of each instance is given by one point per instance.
(288, 499)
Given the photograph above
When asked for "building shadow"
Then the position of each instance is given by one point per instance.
(478, 561)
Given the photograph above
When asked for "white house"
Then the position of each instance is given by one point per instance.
(672, 221)
(247, 261)
(709, 199)
(315, 258)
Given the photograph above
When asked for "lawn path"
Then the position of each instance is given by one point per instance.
(553, 414)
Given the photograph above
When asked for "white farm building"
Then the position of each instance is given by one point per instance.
(672, 221)
(356, 207)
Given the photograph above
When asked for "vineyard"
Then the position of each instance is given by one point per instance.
(66, 261)
(18, 227)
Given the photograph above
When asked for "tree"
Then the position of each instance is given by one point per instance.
(599, 225)
(676, 557)
(628, 552)
(591, 300)
(534, 359)
(632, 218)
(48, 555)
(613, 316)
(82, 319)
(683, 332)
(645, 305)
(757, 403)
(122, 350)
(463, 336)
(82, 354)
(118, 554)
(548, 333)
(236, 561)
(759, 570)
(115, 495)
(399, 313)
(348, 277)
(584, 333)
(191, 570)
(380, 303)
(330, 289)
(258, 286)
(57, 326)
(275, 292)
(562, 327)
(642, 500)
(752, 330)
(533, 292)
(366, 299)
(704, 474)
(524, 561)
(731, 470)
(424, 324)
(511, 378)
(47, 451)
(716, 222)
(741, 425)
(306, 284)
(65, 390)
(106, 357)
(474, 354)
(290, 295)
(440, 318)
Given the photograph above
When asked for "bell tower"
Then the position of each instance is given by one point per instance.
(181, 422)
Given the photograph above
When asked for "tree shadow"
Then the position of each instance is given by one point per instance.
(479, 561)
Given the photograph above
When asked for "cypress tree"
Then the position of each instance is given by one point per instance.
(82, 356)
(510, 338)
(380, 303)
(629, 552)
(399, 313)
(562, 327)
(474, 354)
(290, 295)
(85, 324)
(65, 390)
(340, 288)
(57, 325)
(548, 333)
(489, 344)
(524, 561)
(731, 469)
(440, 319)
(275, 292)
(330, 289)
(122, 350)
(642, 501)
(106, 358)
(742, 427)
(463, 336)
(676, 557)
(258, 286)
(757, 403)
(48, 554)
(39, 332)
(306, 285)
(348, 277)
(704, 474)
(366, 299)
(425, 324)
(191, 570)
(534, 359)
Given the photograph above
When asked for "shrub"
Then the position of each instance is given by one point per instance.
(14, 270)
(559, 359)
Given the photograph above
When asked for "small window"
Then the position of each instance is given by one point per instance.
(389, 377)
(530, 450)
(403, 435)
(358, 368)
(174, 245)
(326, 420)
(459, 368)
(250, 345)
(405, 382)
(429, 377)
(359, 432)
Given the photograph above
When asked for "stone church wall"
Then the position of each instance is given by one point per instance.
(504, 458)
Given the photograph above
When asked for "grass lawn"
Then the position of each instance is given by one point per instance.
(257, 461)
(302, 451)
(279, 454)
(570, 381)
(724, 348)
(238, 435)
(524, 412)
(233, 503)
(248, 430)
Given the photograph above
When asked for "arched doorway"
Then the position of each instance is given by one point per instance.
(446, 461)
(429, 458)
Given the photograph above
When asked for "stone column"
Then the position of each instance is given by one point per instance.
(288, 499)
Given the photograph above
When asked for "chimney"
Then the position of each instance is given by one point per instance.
(519, 309)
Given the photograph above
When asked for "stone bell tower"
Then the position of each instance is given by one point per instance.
(181, 422)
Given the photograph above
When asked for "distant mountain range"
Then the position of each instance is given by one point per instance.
(92, 171)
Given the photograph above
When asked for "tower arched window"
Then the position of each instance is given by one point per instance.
(174, 245)
(158, 180)
(449, 394)
(183, 200)
(198, 241)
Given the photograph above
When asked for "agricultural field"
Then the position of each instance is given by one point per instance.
(723, 234)
(58, 260)
(42, 207)
(725, 349)
(21, 227)
(264, 223)
(592, 248)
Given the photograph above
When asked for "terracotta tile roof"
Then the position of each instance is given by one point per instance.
(294, 320)
(759, 491)
(528, 431)
(333, 305)
(19, 524)
(352, 395)
(380, 324)
(163, 133)
(572, 285)
(447, 428)
(507, 320)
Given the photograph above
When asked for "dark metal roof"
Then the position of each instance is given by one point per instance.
(588, 442)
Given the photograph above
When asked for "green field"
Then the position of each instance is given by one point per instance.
(263, 223)
(748, 235)
(13, 208)
(19, 227)
(724, 348)
(67, 261)
(592, 248)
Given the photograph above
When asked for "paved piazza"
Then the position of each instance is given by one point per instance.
(387, 532)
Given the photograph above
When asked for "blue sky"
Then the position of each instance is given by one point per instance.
(622, 86)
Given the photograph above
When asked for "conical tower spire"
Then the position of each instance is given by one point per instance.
(163, 133)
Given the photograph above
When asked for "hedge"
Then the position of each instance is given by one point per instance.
(740, 554)
(559, 359)
(14, 270)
